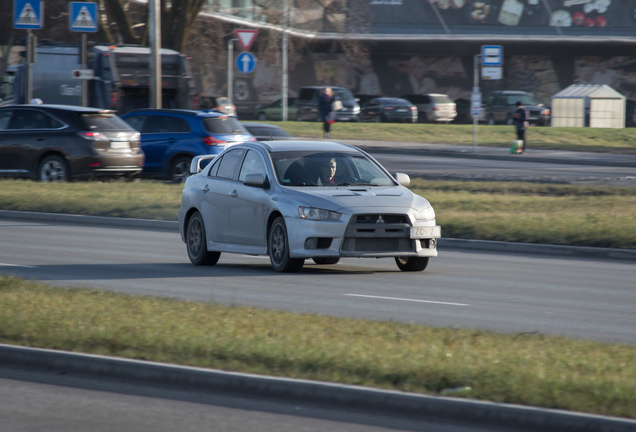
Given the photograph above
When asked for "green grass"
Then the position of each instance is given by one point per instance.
(546, 138)
(598, 216)
(530, 369)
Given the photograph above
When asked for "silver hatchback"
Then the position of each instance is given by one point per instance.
(433, 107)
(298, 200)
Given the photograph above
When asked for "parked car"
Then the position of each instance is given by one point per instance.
(630, 113)
(388, 109)
(307, 104)
(464, 116)
(433, 107)
(501, 104)
(274, 111)
(55, 143)
(266, 132)
(297, 200)
(217, 103)
(170, 138)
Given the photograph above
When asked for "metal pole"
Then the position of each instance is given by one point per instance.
(155, 53)
(29, 67)
(230, 68)
(284, 61)
(84, 55)
(476, 61)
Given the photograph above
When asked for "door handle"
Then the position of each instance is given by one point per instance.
(205, 188)
(234, 193)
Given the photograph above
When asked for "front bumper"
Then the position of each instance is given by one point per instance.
(363, 236)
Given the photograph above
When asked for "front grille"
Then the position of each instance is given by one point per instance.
(378, 233)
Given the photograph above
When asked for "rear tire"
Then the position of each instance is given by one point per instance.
(262, 117)
(53, 169)
(179, 169)
(410, 264)
(196, 243)
(278, 245)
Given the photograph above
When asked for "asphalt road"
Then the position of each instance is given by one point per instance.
(511, 292)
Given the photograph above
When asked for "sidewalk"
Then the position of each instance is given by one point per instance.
(498, 153)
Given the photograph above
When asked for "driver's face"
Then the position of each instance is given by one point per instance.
(329, 170)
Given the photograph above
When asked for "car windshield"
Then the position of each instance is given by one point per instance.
(344, 95)
(224, 125)
(315, 168)
(524, 99)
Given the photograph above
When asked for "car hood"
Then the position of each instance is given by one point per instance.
(341, 198)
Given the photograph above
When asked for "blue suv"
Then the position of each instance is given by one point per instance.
(170, 138)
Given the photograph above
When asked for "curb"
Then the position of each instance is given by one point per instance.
(370, 400)
(450, 243)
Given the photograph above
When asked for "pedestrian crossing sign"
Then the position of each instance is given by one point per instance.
(27, 14)
(83, 16)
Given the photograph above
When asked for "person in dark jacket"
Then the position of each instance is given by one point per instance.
(327, 114)
(520, 119)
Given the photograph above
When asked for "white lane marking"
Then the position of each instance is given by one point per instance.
(408, 300)
(16, 265)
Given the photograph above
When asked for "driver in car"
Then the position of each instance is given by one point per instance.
(328, 172)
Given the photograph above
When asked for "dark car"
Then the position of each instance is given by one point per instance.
(388, 109)
(307, 104)
(501, 104)
(266, 132)
(217, 103)
(61, 142)
(274, 111)
(170, 138)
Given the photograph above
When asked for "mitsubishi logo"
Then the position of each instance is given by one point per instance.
(380, 219)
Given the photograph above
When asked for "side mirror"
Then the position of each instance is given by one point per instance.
(256, 180)
(403, 179)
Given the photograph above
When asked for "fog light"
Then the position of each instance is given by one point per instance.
(311, 243)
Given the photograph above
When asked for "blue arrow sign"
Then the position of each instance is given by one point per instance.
(27, 14)
(83, 16)
(245, 62)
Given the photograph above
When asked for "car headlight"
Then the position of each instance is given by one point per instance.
(426, 213)
(311, 213)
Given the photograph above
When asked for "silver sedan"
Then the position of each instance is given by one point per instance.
(297, 200)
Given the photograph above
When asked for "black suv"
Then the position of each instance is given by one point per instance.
(307, 104)
(501, 104)
(59, 142)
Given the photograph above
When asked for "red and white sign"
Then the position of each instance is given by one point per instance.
(246, 38)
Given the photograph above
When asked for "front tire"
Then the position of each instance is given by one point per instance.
(278, 245)
(411, 264)
(53, 169)
(196, 243)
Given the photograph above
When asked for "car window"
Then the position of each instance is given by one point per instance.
(224, 125)
(102, 121)
(5, 116)
(136, 122)
(165, 124)
(343, 94)
(252, 164)
(227, 165)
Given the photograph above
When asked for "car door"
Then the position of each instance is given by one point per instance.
(248, 204)
(218, 187)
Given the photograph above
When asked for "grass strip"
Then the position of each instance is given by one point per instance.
(529, 369)
(595, 216)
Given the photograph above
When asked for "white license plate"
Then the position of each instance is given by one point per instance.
(426, 232)
(120, 145)
(401, 110)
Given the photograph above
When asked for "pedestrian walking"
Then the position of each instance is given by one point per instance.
(327, 113)
(520, 119)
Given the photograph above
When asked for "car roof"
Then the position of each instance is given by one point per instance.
(75, 108)
(187, 112)
(296, 145)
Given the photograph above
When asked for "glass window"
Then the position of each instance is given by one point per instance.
(252, 164)
(227, 165)
(136, 122)
(5, 116)
(103, 121)
(224, 125)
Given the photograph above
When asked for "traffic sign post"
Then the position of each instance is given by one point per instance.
(27, 14)
(83, 18)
